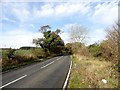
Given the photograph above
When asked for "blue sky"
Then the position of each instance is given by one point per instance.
(20, 21)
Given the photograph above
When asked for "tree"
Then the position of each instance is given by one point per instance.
(78, 33)
(38, 42)
(111, 44)
(69, 48)
(51, 42)
(57, 31)
(44, 28)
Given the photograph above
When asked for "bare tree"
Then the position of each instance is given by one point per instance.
(110, 46)
(78, 33)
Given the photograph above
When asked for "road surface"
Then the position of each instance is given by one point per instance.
(48, 74)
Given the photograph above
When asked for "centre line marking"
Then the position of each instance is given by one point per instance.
(13, 81)
(47, 64)
(59, 58)
(50, 63)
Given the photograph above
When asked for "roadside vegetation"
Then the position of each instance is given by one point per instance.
(96, 65)
(90, 72)
(49, 46)
(16, 58)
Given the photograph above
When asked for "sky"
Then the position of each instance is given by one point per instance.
(20, 21)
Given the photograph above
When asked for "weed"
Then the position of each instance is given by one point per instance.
(89, 73)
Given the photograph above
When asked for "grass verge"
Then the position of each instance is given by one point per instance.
(92, 73)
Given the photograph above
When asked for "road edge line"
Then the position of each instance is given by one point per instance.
(67, 78)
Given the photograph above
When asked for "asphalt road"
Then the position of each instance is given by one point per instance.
(49, 74)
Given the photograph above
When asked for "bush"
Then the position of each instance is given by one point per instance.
(39, 53)
(23, 59)
(95, 50)
(10, 54)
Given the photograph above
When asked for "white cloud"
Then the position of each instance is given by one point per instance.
(9, 20)
(18, 38)
(67, 9)
(45, 11)
(22, 14)
(17, 10)
(32, 25)
(60, 9)
(67, 26)
(65, 36)
(106, 13)
(96, 36)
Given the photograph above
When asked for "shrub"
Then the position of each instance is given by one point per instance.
(38, 52)
(10, 54)
(95, 50)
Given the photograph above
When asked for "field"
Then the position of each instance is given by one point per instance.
(92, 73)
(23, 52)
(21, 57)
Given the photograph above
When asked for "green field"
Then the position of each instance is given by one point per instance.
(23, 52)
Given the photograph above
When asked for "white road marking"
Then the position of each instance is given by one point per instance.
(47, 65)
(26, 75)
(59, 58)
(13, 81)
(50, 63)
(66, 81)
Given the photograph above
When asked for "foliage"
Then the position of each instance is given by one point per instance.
(52, 42)
(77, 47)
(10, 54)
(44, 28)
(17, 61)
(95, 50)
(110, 45)
(21, 57)
(68, 48)
(38, 52)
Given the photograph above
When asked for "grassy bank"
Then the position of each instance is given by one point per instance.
(92, 73)
(22, 58)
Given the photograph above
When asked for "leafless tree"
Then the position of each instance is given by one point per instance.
(110, 46)
(78, 33)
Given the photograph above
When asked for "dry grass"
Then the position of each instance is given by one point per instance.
(89, 73)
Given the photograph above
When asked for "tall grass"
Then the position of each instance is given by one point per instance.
(23, 52)
(21, 57)
(89, 73)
